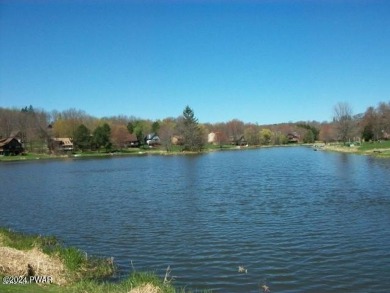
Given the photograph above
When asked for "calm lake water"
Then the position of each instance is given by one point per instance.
(297, 220)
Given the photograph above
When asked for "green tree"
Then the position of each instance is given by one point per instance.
(137, 128)
(309, 136)
(368, 133)
(251, 135)
(314, 132)
(265, 136)
(279, 138)
(101, 137)
(155, 126)
(82, 137)
(190, 130)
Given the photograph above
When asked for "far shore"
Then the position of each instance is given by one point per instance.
(130, 152)
(377, 149)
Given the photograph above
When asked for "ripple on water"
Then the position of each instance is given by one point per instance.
(297, 220)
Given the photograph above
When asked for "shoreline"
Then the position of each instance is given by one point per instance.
(137, 152)
(375, 151)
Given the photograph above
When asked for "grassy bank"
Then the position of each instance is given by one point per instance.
(377, 149)
(70, 270)
(174, 150)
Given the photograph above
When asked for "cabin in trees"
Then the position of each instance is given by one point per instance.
(152, 139)
(10, 146)
(177, 140)
(293, 137)
(62, 144)
(238, 140)
(131, 141)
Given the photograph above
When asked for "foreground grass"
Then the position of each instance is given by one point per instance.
(137, 282)
(82, 273)
(76, 264)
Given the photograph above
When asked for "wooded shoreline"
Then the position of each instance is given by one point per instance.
(378, 149)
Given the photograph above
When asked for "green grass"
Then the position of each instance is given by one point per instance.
(22, 241)
(86, 273)
(366, 146)
(79, 265)
(143, 150)
(135, 280)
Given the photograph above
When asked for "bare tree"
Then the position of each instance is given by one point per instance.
(342, 117)
(235, 130)
(383, 112)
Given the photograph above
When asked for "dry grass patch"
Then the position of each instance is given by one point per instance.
(15, 262)
(147, 288)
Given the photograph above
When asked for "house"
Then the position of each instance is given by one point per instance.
(10, 146)
(152, 139)
(239, 140)
(63, 144)
(131, 141)
(177, 140)
(216, 137)
(293, 137)
(212, 137)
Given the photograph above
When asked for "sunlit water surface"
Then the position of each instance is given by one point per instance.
(297, 220)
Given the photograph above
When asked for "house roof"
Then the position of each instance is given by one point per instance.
(131, 137)
(66, 141)
(5, 141)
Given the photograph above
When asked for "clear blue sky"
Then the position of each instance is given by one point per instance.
(258, 61)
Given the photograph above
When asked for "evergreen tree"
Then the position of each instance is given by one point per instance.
(101, 137)
(309, 136)
(155, 127)
(191, 132)
(82, 137)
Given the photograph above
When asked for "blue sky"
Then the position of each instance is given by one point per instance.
(257, 61)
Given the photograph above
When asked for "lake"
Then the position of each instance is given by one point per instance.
(297, 220)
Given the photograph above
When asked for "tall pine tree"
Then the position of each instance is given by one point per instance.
(191, 132)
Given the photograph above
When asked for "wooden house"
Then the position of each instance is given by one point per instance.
(293, 137)
(63, 144)
(238, 140)
(131, 141)
(10, 146)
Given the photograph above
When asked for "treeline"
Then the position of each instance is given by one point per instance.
(37, 126)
